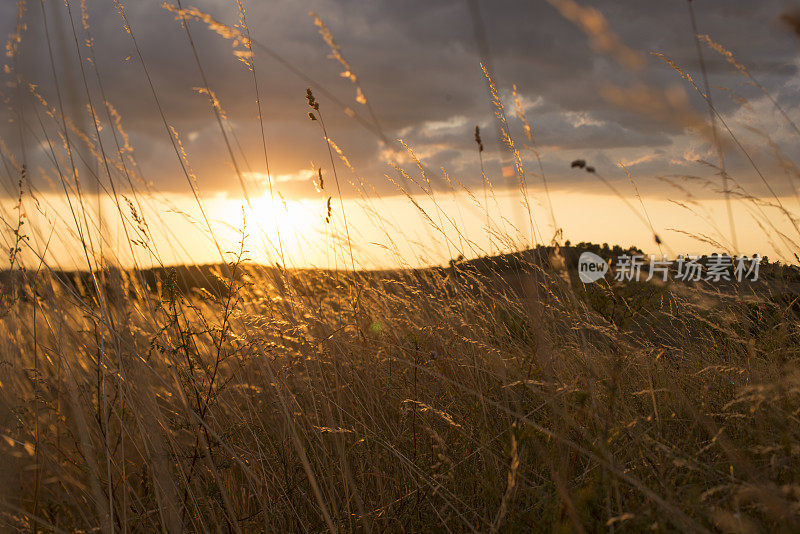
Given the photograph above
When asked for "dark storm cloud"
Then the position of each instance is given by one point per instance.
(418, 64)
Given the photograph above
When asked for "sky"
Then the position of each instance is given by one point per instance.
(587, 80)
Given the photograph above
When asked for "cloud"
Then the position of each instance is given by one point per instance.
(418, 64)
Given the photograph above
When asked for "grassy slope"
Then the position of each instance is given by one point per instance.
(461, 397)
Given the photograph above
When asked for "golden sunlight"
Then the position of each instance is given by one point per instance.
(273, 223)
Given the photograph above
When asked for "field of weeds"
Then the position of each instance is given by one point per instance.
(396, 401)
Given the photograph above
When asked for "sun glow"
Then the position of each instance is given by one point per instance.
(277, 226)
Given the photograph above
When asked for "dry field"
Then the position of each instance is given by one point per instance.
(397, 401)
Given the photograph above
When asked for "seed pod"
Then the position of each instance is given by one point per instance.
(312, 101)
(478, 139)
(328, 217)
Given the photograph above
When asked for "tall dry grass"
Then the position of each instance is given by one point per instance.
(494, 396)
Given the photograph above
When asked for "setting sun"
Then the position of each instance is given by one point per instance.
(297, 225)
